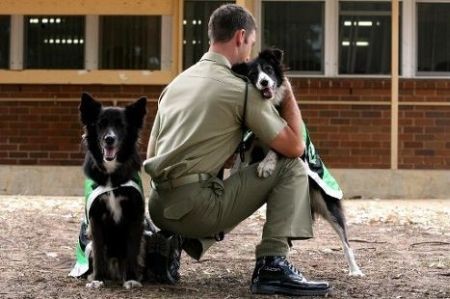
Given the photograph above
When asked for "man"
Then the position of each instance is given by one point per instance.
(197, 127)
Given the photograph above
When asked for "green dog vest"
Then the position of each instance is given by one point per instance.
(318, 171)
(92, 192)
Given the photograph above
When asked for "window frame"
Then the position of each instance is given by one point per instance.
(408, 46)
(169, 9)
(24, 44)
(370, 13)
(297, 73)
(417, 73)
(8, 48)
(171, 63)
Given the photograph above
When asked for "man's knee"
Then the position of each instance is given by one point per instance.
(292, 167)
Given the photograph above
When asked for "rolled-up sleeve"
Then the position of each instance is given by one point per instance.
(262, 117)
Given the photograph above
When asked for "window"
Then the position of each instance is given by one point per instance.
(130, 42)
(365, 37)
(54, 42)
(298, 29)
(433, 43)
(195, 29)
(4, 45)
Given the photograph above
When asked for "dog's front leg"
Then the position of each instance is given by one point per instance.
(96, 279)
(131, 276)
(267, 166)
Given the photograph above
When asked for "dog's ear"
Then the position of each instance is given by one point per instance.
(272, 54)
(89, 109)
(278, 54)
(240, 69)
(136, 111)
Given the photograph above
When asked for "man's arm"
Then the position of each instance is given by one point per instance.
(289, 142)
(151, 147)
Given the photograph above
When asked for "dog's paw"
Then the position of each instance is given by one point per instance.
(95, 284)
(356, 273)
(266, 168)
(132, 284)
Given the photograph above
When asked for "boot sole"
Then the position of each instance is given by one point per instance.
(271, 290)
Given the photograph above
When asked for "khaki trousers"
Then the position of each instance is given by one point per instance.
(203, 209)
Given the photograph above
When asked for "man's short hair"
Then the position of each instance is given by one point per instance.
(226, 20)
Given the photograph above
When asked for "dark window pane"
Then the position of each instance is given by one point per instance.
(54, 42)
(365, 38)
(433, 37)
(195, 29)
(131, 42)
(298, 29)
(4, 44)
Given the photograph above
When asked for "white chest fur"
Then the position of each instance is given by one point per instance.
(113, 204)
(110, 166)
(279, 95)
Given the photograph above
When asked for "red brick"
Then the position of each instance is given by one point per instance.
(425, 152)
(18, 155)
(425, 92)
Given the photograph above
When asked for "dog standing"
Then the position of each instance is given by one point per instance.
(116, 213)
(266, 73)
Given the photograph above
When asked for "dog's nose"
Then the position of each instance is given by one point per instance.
(264, 83)
(109, 140)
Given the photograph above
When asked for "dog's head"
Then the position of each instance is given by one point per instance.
(265, 72)
(111, 132)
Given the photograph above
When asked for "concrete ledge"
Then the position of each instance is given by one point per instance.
(387, 183)
(364, 183)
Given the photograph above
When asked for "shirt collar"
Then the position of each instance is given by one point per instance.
(216, 57)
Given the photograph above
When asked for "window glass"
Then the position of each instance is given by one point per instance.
(4, 44)
(298, 29)
(195, 29)
(365, 37)
(54, 42)
(433, 37)
(130, 42)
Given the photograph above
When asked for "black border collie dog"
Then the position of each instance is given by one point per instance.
(266, 73)
(116, 213)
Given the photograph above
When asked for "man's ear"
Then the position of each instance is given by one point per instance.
(89, 109)
(240, 37)
(240, 68)
(136, 111)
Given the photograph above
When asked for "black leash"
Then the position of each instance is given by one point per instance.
(242, 145)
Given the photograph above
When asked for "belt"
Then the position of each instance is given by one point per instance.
(184, 180)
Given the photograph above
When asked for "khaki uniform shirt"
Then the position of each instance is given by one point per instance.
(198, 123)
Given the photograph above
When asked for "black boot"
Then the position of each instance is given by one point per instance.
(276, 275)
(162, 260)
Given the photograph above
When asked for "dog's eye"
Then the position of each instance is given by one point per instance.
(118, 123)
(252, 75)
(103, 123)
(268, 69)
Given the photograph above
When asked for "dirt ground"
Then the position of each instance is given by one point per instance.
(402, 246)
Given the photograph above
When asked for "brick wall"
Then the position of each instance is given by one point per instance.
(349, 121)
(424, 137)
(354, 131)
(48, 132)
(350, 136)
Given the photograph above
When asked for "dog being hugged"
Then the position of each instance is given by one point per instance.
(115, 211)
(266, 73)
